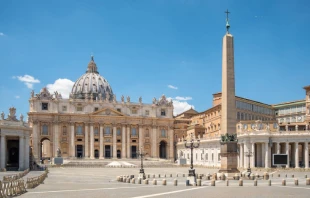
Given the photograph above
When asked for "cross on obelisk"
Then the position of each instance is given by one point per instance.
(227, 21)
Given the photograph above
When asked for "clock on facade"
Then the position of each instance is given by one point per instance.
(299, 118)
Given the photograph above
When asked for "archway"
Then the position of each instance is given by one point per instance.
(46, 150)
(163, 150)
(13, 155)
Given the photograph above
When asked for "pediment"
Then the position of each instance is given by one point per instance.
(107, 112)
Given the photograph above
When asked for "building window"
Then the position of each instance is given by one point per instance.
(44, 129)
(201, 157)
(163, 133)
(64, 130)
(96, 131)
(212, 157)
(163, 112)
(219, 157)
(96, 140)
(207, 156)
(134, 111)
(96, 109)
(238, 116)
(44, 106)
(64, 108)
(196, 156)
(79, 130)
(133, 131)
(119, 110)
(147, 112)
(107, 131)
(79, 108)
(118, 131)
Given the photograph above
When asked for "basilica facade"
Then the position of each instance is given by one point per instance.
(93, 124)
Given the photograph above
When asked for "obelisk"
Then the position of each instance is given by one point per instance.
(228, 117)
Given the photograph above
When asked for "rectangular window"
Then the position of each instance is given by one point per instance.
(219, 157)
(107, 131)
(44, 106)
(119, 110)
(64, 130)
(118, 132)
(133, 131)
(96, 140)
(44, 129)
(96, 109)
(207, 157)
(96, 131)
(134, 111)
(79, 108)
(79, 130)
(147, 112)
(163, 112)
(64, 108)
(163, 133)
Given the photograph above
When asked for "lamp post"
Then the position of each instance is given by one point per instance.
(141, 155)
(191, 144)
(249, 155)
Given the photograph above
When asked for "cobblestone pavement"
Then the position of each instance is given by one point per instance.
(101, 182)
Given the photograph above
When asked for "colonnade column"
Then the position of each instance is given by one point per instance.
(101, 143)
(86, 154)
(26, 145)
(287, 149)
(92, 141)
(253, 154)
(296, 155)
(21, 152)
(267, 155)
(35, 142)
(245, 158)
(114, 142)
(72, 141)
(128, 141)
(123, 141)
(3, 151)
(306, 155)
(154, 142)
(241, 155)
(56, 139)
(171, 146)
(278, 147)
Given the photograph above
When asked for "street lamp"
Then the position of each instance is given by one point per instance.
(249, 155)
(192, 144)
(141, 155)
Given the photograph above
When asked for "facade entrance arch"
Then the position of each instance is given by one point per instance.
(46, 149)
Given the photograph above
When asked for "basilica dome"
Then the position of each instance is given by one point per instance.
(91, 85)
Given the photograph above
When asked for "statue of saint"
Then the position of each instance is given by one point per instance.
(2, 115)
(58, 152)
(21, 118)
(128, 99)
(122, 98)
(32, 94)
(140, 99)
(154, 100)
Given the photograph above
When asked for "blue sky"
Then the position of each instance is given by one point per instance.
(141, 47)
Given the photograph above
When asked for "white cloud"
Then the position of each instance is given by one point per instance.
(179, 105)
(183, 98)
(2, 34)
(28, 80)
(63, 86)
(17, 97)
(172, 87)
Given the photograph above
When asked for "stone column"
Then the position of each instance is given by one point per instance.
(56, 138)
(287, 151)
(171, 146)
(154, 142)
(35, 141)
(241, 155)
(101, 156)
(267, 155)
(3, 151)
(140, 136)
(296, 155)
(72, 141)
(245, 158)
(306, 155)
(253, 154)
(21, 152)
(128, 141)
(123, 141)
(26, 143)
(296, 127)
(114, 143)
(92, 141)
(86, 154)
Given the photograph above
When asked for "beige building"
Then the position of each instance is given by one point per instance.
(14, 142)
(93, 124)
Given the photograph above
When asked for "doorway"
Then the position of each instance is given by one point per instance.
(133, 151)
(119, 154)
(46, 151)
(96, 154)
(162, 150)
(107, 152)
(79, 151)
(13, 155)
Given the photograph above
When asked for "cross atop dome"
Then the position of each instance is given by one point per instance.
(92, 67)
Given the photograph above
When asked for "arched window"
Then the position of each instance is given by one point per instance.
(163, 133)
(79, 130)
(96, 131)
(64, 130)
(242, 116)
(238, 116)
(44, 129)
